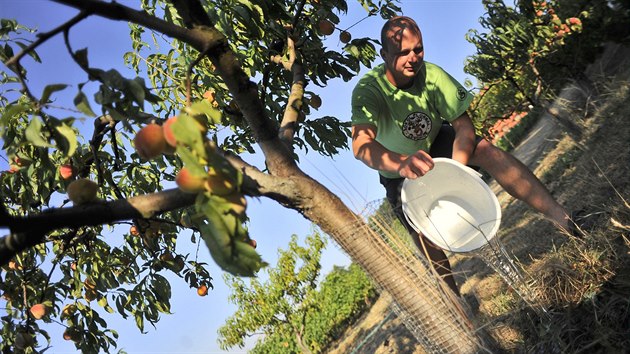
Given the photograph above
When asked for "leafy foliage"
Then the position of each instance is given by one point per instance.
(289, 309)
(531, 50)
(121, 268)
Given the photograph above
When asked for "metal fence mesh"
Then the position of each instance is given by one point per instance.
(427, 307)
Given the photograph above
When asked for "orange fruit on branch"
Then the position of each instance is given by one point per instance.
(149, 141)
(325, 27)
(188, 182)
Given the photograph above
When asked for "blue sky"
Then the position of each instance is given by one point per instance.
(192, 328)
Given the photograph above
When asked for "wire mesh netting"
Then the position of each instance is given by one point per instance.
(428, 308)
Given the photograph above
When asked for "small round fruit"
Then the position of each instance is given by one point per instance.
(315, 101)
(66, 171)
(178, 264)
(326, 27)
(252, 242)
(149, 141)
(167, 129)
(14, 266)
(24, 340)
(188, 182)
(133, 230)
(72, 334)
(82, 191)
(68, 311)
(167, 257)
(210, 96)
(38, 311)
(345, 37)
(202, 290)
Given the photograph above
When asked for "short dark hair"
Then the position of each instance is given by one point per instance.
(397, 25)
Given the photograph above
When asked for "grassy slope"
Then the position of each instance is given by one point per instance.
(584, 283)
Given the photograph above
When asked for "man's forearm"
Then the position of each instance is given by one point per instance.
(376, 156)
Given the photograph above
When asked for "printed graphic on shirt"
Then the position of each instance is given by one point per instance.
(416, 126)
(461, 93)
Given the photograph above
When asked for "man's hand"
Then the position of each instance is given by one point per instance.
(416, 165)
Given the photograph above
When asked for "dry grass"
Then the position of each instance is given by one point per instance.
(583, 282)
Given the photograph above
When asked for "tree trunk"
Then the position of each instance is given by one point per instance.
(429, 309)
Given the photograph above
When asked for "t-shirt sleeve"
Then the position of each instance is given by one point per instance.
(365, 107)
(450, 97)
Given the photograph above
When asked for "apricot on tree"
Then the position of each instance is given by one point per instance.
(24, 340)
(72, 334)
(315, 101)
(149, 141)
(202, 290)
(82, 191)
(188, 182)
(325, 27)
(66, 171)
(345, 37)
(38, 311)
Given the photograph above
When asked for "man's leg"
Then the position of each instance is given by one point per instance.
(435, 254)
(519, 181)
(439, 260)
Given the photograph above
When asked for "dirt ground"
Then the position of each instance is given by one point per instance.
(380, 331)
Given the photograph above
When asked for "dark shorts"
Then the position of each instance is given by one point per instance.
(442, 147)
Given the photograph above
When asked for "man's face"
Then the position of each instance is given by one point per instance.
(403, 55)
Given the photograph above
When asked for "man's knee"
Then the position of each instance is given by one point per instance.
(487, 154)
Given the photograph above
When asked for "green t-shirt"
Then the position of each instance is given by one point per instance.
(408, 120)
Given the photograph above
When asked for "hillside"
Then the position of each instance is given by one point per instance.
(584, 283)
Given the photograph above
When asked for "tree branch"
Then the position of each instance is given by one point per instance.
(43, 37)
(294, 104)
(31, 230)
(208, 39)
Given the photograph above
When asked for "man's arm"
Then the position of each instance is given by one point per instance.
(373, 154)
(464, 144)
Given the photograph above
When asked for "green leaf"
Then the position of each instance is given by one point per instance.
(48, 90)
(139, 320)
(187, 131)
(31, 53)
(33, 133)
(137, 91)
(205, 108)
(82, 104)
(11, 111)
(81, 56)
(67, 139)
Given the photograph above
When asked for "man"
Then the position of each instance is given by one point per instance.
(398, 110)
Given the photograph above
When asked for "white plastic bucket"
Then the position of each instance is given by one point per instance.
(452, 206)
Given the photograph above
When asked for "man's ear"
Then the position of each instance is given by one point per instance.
(383, 52)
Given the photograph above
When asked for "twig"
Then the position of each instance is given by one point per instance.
(188, 74)
(43, 37)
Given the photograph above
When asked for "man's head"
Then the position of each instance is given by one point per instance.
(402, 50)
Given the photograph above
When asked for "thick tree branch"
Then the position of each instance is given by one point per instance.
(294, 104)
(208, 39)
(116, 11)
(31, 230)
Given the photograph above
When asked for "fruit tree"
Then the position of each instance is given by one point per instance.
(234, 77)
